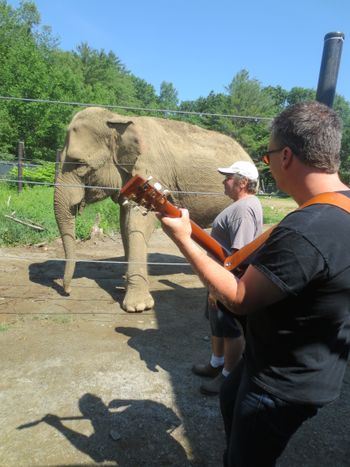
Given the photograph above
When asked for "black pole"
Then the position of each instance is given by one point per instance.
(327, 81)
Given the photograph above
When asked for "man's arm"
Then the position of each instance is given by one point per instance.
(242, 296)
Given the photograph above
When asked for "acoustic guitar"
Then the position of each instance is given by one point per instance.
(152, 197)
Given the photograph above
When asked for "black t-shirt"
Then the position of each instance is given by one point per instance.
(297, 348)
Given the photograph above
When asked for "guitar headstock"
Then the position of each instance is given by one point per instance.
(143, 193)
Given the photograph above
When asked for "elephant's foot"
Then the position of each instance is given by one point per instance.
(137, 297)
(67, 288)
(135, 301)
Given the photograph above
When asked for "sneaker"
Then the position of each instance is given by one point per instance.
(206, 370)
(211, 388)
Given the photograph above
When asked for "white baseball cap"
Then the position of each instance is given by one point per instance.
(244, 168)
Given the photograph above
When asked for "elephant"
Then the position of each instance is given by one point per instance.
(103, 150)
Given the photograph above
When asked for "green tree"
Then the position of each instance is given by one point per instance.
(343, 108)
(278, 95)
(145, 93)
(298, 94)
(247, 96)
(106, 80)
(168, 96)
(248, 99)
(23, 72)
(214, 104)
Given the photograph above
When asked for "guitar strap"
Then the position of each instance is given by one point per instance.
(332, 198)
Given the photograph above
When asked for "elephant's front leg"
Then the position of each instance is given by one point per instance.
(136, 231)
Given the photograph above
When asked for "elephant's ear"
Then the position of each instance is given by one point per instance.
(127, 143)
(119, 125)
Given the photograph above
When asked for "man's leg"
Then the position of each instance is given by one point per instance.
(217, 346)
(228, 395)
(213, 368)
(233, 350)
(258, 425)
(233, 340)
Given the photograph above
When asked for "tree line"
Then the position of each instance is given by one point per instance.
(33, 67)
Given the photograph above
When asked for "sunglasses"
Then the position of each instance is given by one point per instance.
(266, 156)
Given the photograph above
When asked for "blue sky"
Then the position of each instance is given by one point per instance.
(199, 45)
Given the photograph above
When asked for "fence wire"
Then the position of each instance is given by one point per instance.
(206, 193)
(253, 118)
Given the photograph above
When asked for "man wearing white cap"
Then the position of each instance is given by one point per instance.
(233, 228)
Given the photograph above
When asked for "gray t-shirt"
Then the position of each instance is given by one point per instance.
(239, 223)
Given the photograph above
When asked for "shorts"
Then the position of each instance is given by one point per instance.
(222, 323)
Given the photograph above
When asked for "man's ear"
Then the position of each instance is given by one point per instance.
(287, 157)
(244, 182)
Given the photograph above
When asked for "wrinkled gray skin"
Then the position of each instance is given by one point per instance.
(104, 149)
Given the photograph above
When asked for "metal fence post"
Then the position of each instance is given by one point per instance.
(327, 81)
(20, 152)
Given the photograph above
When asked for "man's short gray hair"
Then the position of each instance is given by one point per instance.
(313, 132)
(252, 185)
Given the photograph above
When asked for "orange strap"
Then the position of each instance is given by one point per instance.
(333, 198)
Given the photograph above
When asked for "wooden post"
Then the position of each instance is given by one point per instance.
(20, 152)
(58, 160)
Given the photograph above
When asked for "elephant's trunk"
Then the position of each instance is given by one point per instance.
(66, 201)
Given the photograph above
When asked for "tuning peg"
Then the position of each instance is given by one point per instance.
(125, 202)
(158, 186)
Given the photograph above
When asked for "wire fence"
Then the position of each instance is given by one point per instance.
(174, 192)
(253, 118)
(22, 163)
(55, 184)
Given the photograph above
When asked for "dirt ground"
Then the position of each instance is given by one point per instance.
(83, 383)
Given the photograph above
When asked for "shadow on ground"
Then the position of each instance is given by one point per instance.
(160, 427)
(143, 424)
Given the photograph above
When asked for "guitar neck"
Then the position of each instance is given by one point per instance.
(140, 191)
(198, 234)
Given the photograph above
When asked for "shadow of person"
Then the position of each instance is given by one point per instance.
(169, 348)
(127, 431)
